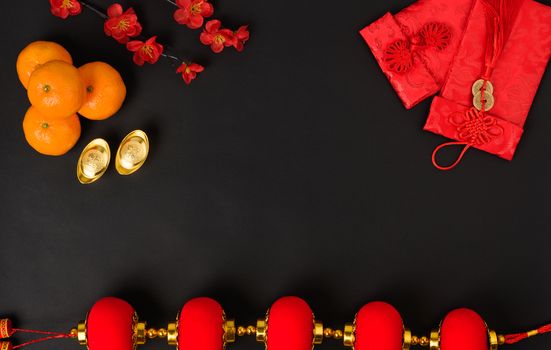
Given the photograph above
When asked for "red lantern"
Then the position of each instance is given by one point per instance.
(379, 326)
(289, 325)
(201, 325)
(111, 324)
(463, 329)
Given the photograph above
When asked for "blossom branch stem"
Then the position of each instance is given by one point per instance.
(172, 2)
(171, 57)
(93, 9)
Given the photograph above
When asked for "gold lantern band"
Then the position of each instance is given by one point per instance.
(5, 328)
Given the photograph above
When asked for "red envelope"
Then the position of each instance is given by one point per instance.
(515, 78)
(416, 46)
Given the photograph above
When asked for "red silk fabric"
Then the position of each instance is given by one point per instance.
(430, 64)
(510, 48)
(516, 76)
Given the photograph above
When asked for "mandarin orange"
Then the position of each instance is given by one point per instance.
(52, 137)
(56, 89)
(105, 91)
(36, 54)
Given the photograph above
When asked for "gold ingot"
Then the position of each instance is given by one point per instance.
(493, 339)
(488, 98)
(348, 337)
(172, 334)
(318, 333)
(229, 331)
(140, 331)
(81, 333)
(406, 342)
(434, 342)
(93, 161)
(478, 85)
(132, 152)
(261, 330)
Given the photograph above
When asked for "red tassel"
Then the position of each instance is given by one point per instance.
(500, 17)
(50, 335)
(515, 338)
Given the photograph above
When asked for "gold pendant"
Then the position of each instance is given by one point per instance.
(487, 97)
(478, 85)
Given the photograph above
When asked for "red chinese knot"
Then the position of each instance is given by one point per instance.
(475, 127)
(399, 55)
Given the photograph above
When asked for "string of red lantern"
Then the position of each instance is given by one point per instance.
(289, 324)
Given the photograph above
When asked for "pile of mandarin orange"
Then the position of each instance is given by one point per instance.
(57, 91)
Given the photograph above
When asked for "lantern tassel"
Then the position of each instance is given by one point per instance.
(50, 335)
(516, 337)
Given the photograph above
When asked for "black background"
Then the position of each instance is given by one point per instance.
(290, 168)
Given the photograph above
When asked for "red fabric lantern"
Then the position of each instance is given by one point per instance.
(379, 326)
(290, 325)
(463, 329)
(200, 325)
(110, 325)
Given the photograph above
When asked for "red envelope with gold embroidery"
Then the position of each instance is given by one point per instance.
(416, 46)
(506, 47)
